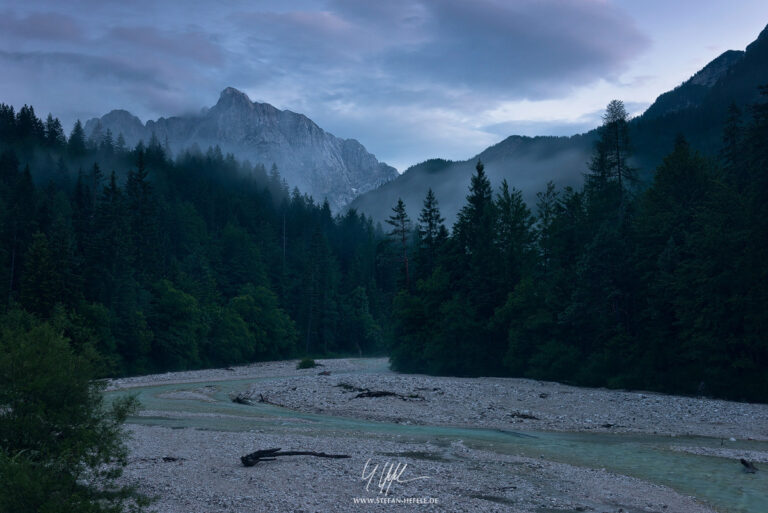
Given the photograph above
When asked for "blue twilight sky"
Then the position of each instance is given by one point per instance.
(410, 79)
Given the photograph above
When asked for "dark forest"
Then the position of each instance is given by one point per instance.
(160, 264)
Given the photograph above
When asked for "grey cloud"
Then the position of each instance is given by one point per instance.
(47, 26)
(355, 67)
(531, 49)
(455, 53)
(192, 45)
(93, 85)
(86, 66)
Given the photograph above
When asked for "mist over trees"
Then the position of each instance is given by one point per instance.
(163, 263)
(613, 284)
(174, 263)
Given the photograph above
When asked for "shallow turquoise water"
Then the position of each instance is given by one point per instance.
(718, 481)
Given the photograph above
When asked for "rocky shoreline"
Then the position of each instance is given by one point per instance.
(195, 470)
(498, 403)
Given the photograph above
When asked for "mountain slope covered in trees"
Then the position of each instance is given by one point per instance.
(171, 264)
(602, 285)
(159, 264)
(698, 109)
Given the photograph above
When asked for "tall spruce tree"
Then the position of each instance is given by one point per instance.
(401, 229)
(513, 234)
(475, 264)
(432, 234)
(615, 144)
(76, 143)
(54, 133)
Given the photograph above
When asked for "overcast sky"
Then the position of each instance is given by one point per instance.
(410, 79)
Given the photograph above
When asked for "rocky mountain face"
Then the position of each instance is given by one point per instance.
(308, 157)
(697, 109)
(693, 91)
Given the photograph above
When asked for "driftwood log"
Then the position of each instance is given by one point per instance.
(264, 400)
(253, 458)
(521, 415)
(247, 399)
(387, 393)
(749, 467)
(243, 398)
(367, 392)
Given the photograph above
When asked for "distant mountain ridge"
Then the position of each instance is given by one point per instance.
(525, 162)
(308, 157)
(697, 109)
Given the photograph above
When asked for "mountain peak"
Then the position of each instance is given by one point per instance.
(121, 114)
(763, 34)
(761, 40)
(232, 96)
(315, 161)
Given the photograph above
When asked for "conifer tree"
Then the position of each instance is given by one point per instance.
(29, 129)
(615, 133)
(21, 224)
(732, 136)
(475, 220)
(513, 234)
(120, 144)
(432, 232)
(76, 143)
(546, 212)
(401, 228)
(40, 282)
(107, 145)
(54, 133)
(475, 264)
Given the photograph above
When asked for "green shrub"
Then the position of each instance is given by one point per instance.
(61, 446)
(306, 363)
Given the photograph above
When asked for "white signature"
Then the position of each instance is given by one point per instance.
(390, 473)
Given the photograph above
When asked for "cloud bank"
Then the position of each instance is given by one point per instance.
(408, 78)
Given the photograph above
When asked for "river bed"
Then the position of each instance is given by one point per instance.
(532, 450)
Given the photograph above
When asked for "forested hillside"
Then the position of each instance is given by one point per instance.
(664, 288)
(164, 264)
(171, 263)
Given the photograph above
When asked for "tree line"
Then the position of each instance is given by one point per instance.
(162, 263)
(118, 260)
(660, 286)
(165, 263)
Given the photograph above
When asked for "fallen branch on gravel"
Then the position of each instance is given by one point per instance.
(521, 415)
(367, 392)
(243, 398)
(386, 393)
(264, 400)
(351, 388)
(253, 458)
(247, 399)
(165, 459)
(749, 467)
